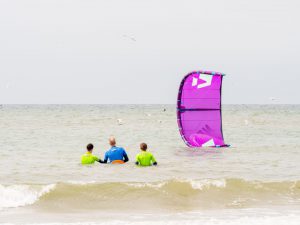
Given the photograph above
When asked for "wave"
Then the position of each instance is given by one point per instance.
(170, 195)
(20, 195)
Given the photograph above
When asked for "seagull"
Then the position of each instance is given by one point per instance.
(129, 37)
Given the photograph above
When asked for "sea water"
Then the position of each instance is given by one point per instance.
(255, 181)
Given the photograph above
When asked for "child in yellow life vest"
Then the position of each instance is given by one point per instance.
(88, 157)
(145, 158)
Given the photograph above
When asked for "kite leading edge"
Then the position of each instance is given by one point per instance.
(199, 111)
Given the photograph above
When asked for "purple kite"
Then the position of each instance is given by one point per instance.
(199, 114)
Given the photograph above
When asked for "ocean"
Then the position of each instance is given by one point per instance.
(255, 181)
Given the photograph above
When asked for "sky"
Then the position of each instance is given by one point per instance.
(137, 51)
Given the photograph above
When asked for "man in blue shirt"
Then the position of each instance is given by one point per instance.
(115, 155)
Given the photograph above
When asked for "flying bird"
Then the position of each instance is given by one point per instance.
(129, 37)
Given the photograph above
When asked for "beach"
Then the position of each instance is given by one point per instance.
(254, 181)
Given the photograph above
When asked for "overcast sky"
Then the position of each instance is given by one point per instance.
(136, 51)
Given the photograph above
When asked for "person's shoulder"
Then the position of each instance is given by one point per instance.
(121, 148)
(95, 157)
(150, 154)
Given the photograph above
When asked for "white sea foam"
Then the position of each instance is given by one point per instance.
(20, 195)
(81, 182)
(207, 183)
(151, 185)
(195, 184)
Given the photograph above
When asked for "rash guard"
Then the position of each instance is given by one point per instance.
(89, 158)
(145, 159)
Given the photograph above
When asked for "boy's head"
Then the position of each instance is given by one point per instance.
(143, 146)
(90, 147)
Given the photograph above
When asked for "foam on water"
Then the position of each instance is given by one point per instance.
(21, 195)
(195, 184)
(206, 183)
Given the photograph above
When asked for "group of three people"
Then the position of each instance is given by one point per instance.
(118, 155)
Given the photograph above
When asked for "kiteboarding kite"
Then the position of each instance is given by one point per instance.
(199, 113)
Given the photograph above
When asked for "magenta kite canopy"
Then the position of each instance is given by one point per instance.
(199, 114)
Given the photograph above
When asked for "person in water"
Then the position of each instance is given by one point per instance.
(145, 158)
(115, 155)
(88, 157)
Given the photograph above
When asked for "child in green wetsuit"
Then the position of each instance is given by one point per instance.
(145, 158)
(88, 157)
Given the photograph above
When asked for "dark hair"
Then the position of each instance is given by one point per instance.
(143, 146)
(90, 147)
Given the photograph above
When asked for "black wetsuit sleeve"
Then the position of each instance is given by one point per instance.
(102, 161)
(155, 164)
(126, 159)
(137, 163)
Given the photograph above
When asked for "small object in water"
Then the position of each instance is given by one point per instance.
(148, 114)
(165, 110)
(272, 98)
(120, 122)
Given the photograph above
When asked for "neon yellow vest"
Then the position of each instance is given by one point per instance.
(88, 158)
(145, 158)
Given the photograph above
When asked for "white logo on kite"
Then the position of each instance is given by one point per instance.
(203, 77)
(209, 143)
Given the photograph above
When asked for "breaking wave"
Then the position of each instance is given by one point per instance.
(163, 195)
(20, 195)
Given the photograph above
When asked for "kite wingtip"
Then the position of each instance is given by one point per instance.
(222, 146)
(208, 72)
